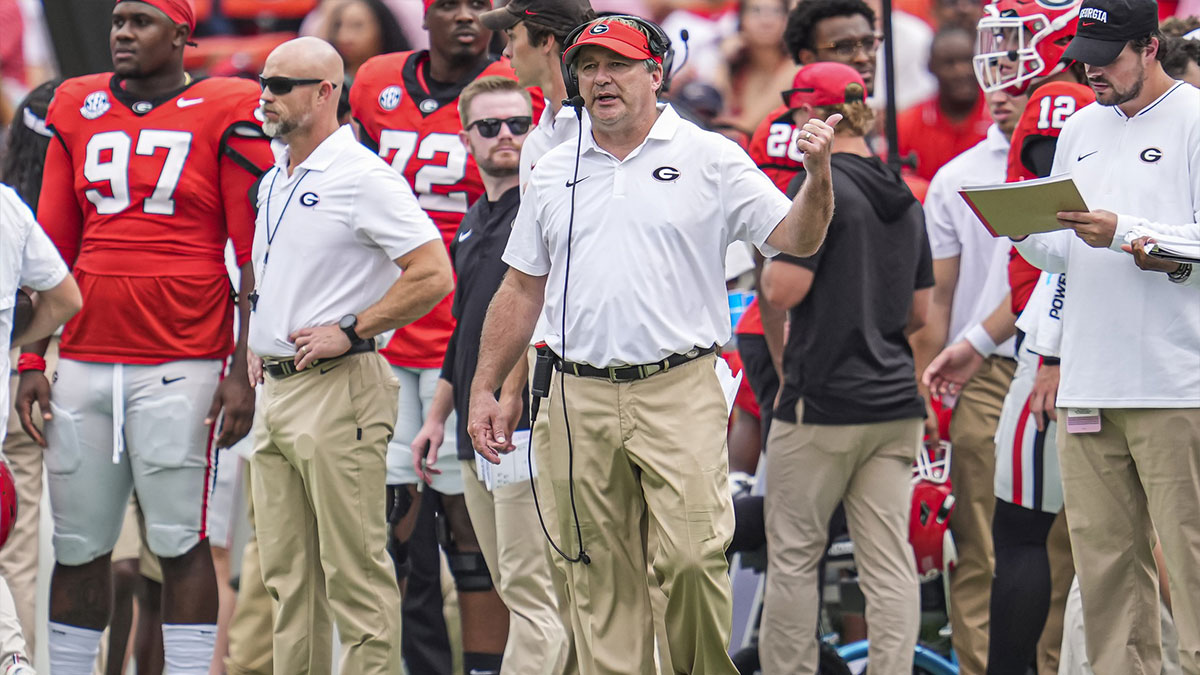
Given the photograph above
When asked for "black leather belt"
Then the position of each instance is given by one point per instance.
(632, 373)
(286, 367)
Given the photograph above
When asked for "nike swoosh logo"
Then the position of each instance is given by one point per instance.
(173, 380)
(329, 368)
(188, 102)
(1083, 157)
(466, 235)
(574, 183)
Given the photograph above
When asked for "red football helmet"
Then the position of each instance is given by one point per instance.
(8, 502)
(1023, 40)
(929, 523)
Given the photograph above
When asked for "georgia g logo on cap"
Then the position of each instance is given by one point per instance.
(599, 29)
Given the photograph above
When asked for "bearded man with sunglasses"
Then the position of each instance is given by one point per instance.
(145, 181)
(335, 228)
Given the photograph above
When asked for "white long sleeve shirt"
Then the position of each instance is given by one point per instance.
(1131, 338)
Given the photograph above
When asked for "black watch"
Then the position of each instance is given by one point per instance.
(348, 323)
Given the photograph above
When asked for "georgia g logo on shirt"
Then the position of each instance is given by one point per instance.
(665, 174)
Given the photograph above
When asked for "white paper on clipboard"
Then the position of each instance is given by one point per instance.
(513, 467)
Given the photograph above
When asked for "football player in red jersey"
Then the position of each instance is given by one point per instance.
(1028, 495)
(406, 107)
(147, 178)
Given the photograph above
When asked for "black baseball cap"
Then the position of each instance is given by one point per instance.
(563, 15)
(1106, 25)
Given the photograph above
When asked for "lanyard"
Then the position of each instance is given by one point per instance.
(272, 231)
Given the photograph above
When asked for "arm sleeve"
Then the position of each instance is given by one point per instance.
(237, 186)
(448, 360)
(940, 216)
(386, 213)
(1037, 154)
(39, 265)
(751, 204)
(58, 207)
(527, 250)
(924, 277)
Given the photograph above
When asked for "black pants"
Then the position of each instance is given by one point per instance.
(423, 640)
(1020, 587)
(760, 371)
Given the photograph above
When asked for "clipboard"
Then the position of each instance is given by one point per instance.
(1025, 207)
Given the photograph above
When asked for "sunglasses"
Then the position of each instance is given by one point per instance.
(490, 127)
(282, 85)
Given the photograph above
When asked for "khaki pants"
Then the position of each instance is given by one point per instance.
(972, 430)
(1139, 473)
(649, 465)
(812, 467)
(250, 629)
(319, 484)
(19, 557)
(514, 548)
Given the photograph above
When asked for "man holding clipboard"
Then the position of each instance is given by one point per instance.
(1130, 445)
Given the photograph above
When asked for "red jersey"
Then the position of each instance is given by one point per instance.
(414, 126)
(1048, 109)
(140, 197)
(773, 148)
(935, 139)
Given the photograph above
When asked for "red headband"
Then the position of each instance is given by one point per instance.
(179, 11)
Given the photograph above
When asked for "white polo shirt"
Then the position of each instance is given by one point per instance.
(1131, 338)
(647, 272)
(27, 258)
(955, 231)
(551, 130)
(333, 230)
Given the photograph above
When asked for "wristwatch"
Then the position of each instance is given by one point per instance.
(348, 323)
(1181, 273)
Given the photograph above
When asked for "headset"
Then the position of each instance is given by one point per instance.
(660, 47)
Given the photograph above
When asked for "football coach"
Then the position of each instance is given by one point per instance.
(636, 307)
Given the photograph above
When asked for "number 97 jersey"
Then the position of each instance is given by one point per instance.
(140, 197)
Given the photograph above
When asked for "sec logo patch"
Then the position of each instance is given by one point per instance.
(95, 105)
(390, 97)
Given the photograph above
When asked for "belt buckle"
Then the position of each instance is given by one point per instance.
(612, 375)
(648, 370)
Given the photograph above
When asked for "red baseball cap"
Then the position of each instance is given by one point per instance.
(614, 35)
(179, 11)
(825, 83)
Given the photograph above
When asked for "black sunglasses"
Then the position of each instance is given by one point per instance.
(282, 85)
(490, 127)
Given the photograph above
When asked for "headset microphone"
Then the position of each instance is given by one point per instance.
(575, 102)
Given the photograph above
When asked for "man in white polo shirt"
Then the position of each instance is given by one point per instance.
(334, 224)
(970, 269)
(1129, 395)
(627, 251)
